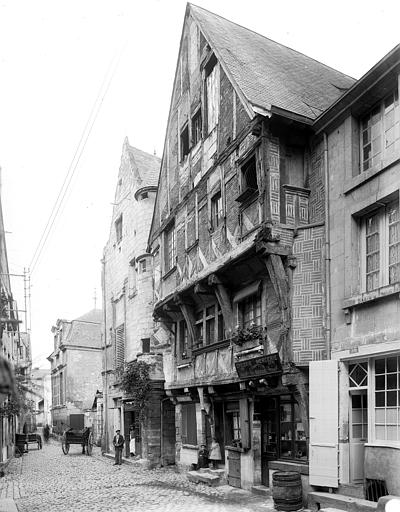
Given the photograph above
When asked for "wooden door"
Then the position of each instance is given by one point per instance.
(234, 477)
(324, 420)
(358, 433)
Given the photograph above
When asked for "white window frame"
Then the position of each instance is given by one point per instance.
(383, 230)
(383, 131)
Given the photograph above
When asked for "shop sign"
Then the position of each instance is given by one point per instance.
(260, 366)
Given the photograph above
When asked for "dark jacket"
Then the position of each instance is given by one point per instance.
(120, 442)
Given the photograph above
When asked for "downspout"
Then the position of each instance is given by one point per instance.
(327, 255)
(103, 278)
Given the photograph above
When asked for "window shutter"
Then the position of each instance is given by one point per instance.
(244, 423)
(120, 345)
(324, 420)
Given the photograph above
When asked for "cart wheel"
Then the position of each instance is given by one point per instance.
(89, 448)
(65, 445)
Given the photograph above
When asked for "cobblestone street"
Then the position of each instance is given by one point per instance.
(47, 480)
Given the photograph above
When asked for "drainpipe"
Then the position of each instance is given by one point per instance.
(327, 253)
(105, 394)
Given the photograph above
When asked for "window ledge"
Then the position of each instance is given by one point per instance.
(213, 346)
(289, 466)
(247, 196)
(184, 365)
(383, 444)
(170, 271)
(364, 176)
(364, 298)
(190, 446)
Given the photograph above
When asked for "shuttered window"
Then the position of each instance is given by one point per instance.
(119, 345)
(189, 428)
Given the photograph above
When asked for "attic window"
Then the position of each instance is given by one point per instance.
(248, 179)
(184, 142)
(211, 94)
(196, 127)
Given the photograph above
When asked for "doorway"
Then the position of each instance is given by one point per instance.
(269, 436)
(131, 419)
(358, 433)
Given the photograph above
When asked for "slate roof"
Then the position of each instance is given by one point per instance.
(148, 166)
(270, 74)
(95, 316)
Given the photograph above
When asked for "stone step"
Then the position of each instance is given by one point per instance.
(204, 478)
(8, 505)
(330, 509)
(324, 500)
(261, 490)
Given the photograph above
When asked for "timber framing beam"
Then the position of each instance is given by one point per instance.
(224, 301)
(188, 314)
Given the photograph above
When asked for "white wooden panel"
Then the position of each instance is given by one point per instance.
(324, 420)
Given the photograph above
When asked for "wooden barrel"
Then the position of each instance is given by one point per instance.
(287, 490)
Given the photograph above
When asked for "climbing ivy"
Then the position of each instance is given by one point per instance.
(134, 380)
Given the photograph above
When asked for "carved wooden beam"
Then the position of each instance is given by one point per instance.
(202, 289)
(280, 283)
(188, 315)
(224, 301)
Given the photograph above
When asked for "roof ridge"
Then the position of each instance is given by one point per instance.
(269, 39)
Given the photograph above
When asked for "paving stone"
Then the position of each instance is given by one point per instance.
(47, 480)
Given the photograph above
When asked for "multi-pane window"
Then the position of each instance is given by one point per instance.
(249, 311)
(382, 246)
(169, 248)
(216, 211)
(118, 228)
(196, 128)
(380, 131)
(209, 325)
(387, 399)
(293, 443)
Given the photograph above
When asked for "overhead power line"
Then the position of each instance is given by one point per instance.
(108, 77)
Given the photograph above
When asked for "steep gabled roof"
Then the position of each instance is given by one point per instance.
(271, 75)
(147, 166)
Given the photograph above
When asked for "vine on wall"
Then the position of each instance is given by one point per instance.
(134, 380)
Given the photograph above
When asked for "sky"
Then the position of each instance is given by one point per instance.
(78, 76)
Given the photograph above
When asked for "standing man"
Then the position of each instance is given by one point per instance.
(118, 443)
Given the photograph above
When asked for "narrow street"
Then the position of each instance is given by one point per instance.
(47, 480)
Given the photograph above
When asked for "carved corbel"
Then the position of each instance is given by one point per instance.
(224, 301)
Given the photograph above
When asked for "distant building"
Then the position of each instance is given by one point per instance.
(75, 370)
(128, 295)
(40, 380)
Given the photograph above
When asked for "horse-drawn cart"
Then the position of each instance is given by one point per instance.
(82, 437)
